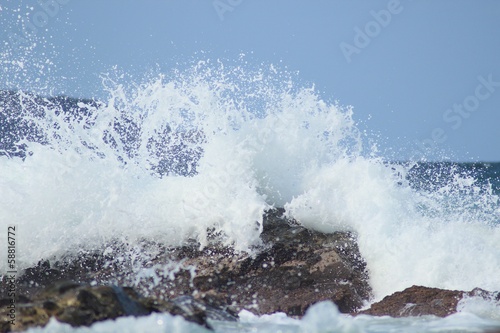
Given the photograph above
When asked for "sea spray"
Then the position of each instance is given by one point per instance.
(204, 151)
(441, 237)
(175, 158)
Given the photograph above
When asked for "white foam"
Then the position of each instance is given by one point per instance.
(403, 243)
(482, 307)
(154, 323)
(266, 140)
(323, 317)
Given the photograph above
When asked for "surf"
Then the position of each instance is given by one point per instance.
(207, 149)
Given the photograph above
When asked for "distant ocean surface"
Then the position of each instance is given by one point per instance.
(214, 146)
(482, 173)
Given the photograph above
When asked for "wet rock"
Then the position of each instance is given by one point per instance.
(292, 269)
(83, 305)
(419, 301)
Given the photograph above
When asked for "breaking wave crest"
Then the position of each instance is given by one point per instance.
(206, 150)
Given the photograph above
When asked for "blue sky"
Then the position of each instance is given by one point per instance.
(422, 75)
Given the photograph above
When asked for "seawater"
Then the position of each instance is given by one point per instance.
(320, 318)
(210, 148)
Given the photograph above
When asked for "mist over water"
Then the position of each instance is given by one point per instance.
(208, 149)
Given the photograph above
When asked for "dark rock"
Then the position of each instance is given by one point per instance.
(292, 269)
(83, 305)
(419, 301)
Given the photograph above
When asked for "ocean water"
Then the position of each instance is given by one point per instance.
(211, 147)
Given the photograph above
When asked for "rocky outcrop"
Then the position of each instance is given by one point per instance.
(292, 269)
(83, 305)
(419, 301)
(295, 268)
